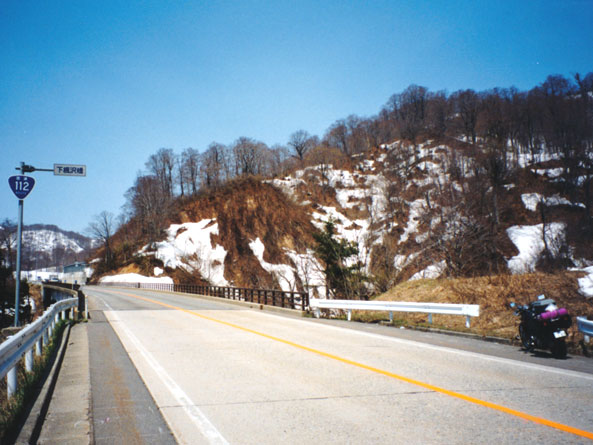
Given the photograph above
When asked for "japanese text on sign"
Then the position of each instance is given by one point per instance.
(69, 170)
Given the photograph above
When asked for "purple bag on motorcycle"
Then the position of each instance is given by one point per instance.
(549, 315)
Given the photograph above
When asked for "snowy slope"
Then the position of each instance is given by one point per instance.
(45, 240)
(388, 201)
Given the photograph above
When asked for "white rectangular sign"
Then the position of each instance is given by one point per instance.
(69, 170)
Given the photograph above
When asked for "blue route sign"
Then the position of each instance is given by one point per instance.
(21, 185)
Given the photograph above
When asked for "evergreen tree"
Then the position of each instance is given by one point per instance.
(342, 280)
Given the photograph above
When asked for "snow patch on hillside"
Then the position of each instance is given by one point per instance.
(586, 282)
(283, 273)
(550, 172)
(526, 159)
(307, 269)
(135, 278)
(417, 209)
(288, 185)
(310, 272)
(431, 272)
(529, 242)
(531, 200)
(189, 246)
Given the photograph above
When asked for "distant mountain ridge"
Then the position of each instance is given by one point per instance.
(82, 240)
(46, 245)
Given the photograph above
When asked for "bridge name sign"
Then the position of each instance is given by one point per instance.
(69, 170)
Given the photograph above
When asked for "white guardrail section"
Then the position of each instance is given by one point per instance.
(586, 327)
(31, 338)
(468, 310)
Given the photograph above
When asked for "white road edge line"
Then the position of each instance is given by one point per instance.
(193, 412)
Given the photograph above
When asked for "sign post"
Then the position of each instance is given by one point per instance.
(21, 186)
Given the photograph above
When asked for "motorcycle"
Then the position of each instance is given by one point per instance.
(543, 326)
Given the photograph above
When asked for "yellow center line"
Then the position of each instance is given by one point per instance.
(494, 406)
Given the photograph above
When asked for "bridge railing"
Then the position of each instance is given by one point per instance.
(272, 297)
(29, 341)
(467, 310)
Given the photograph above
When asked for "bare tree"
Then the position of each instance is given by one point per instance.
(279, 160)
(189, 169)
(437, 114)
(301, 142)
(102, 228)
(467, 104)
(412, 111)
(7, 242)
(249, 156)
(214, 165)
(161, 165)
(149, 204)
(337, 136)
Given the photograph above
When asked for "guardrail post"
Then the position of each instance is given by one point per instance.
(82, 309)
(11, 382)
(29, 360)
(467, 321)
(38, 346)
(429, 318)
(391, 317)
(349, 316)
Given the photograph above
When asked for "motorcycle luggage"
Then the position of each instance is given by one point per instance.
(540, 306)
(549, 315)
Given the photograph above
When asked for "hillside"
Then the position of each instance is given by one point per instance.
(246, 234)
(409, 208)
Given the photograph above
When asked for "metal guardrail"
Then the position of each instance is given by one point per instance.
(586, 327)
(468, 310)
(49, 289)
(32, 338)
(286, 299)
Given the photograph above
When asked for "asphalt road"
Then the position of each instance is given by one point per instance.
(220, 373)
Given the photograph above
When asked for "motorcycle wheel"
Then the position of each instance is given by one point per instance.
(559, 348)
(525, 337)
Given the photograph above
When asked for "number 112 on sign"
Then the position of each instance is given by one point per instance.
(21, 185)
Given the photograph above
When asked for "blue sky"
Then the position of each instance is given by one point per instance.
(107, 83)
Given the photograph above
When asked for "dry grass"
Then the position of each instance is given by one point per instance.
(35, 294)
(493, 294)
